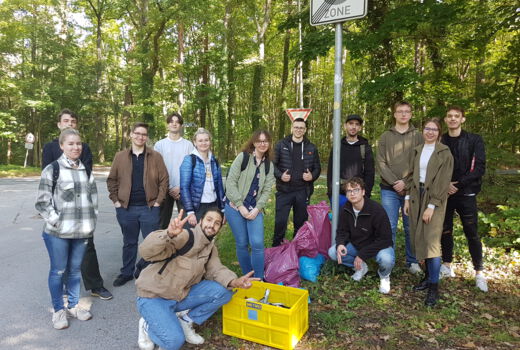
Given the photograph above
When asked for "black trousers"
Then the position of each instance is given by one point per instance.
(167, 210)
(466, 208)
(298, 200)
(90, 267)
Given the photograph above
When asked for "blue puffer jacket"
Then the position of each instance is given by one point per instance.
(192, 180)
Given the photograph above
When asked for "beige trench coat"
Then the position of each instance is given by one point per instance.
(426, 238)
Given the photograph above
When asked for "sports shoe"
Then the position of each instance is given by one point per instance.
(79, 313)
(414, 268)
(102, 293)
(189, 333)
(143, 339)
(384, 285)
(121, 280)
(481, 282)
(433, 295)
(59, 319)
(358, 275)
(446, 271)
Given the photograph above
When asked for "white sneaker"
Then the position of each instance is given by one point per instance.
(446, 271)
(358, 275)
(79, 313)
(59, 319)
(143, 339)
(384, 285)
(481, 282)
(189, 333)
(415, 268)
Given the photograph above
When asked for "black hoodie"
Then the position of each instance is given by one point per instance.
(352, 164)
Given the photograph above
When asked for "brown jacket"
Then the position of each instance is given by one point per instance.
(393, 154)
(119, 181)
(426, 238)
(184, 271)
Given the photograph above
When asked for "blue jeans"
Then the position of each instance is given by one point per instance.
(203, 300)
(385, 258)
(132, 220)
(392, 202)
(64, 255)
(248, 233)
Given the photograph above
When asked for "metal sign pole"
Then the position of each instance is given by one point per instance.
(338, 82)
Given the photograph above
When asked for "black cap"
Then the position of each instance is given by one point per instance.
(354, 117)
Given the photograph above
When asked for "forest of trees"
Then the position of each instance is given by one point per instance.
(235, 65)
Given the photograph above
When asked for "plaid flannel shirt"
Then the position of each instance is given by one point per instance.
(71, 212)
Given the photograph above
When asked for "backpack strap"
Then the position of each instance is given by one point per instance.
(55, 174)
(193, 161)
(245, 160)
(186, 248)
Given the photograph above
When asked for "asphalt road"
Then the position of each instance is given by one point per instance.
(25, 305)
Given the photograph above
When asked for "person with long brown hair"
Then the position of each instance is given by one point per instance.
(248, 187)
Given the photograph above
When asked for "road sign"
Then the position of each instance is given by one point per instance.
(334, 11)
(295, 113)
(29, 138)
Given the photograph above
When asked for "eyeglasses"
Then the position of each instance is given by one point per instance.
(431, 129)
(403, 112)
(353, 191)
(262, 142)
(138, 134)
(299, 127)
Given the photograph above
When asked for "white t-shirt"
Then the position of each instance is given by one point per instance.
(423, 162)
(173, 153)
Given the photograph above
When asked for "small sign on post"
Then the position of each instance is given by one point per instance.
(333, 11)
(29, 144)
(295, 113)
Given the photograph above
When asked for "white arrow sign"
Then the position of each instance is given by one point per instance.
(334, 11)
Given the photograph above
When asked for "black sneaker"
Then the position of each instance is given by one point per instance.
(102, 293)
(122, 279)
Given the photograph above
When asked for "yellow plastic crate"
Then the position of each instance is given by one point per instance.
(266, 324)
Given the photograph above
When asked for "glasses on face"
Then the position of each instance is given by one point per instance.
(262, 142)
(353, 191)
(403, 112)
(138, 134)
(299, 127)
(431, 129)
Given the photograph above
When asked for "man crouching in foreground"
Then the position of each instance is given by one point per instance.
(185, 283)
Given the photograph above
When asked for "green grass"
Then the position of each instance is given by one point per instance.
(18, 171)
(345, 314)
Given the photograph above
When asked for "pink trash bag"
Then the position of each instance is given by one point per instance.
(305, 241)
(319, 218)
(281, 265)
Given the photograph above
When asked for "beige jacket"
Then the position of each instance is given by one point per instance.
(426, 238)
(184, 271)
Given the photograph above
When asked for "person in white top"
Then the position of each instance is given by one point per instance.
(173, 149)
(425, 203)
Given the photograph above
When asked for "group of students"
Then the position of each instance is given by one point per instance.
(427, 177)
(185, 274)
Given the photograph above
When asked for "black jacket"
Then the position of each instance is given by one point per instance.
(283, 161)
(52, 151)
(351, 164)
(369, 233)
(470, 159)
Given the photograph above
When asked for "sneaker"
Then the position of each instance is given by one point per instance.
(446, 271)
(433, 295)
(143, 339)
(102, 293)
(481, 282)
(358, 275)
(414, 268)
(189, 333)
(121, 280)
(59, 319)
(384, 285)
(79, 313)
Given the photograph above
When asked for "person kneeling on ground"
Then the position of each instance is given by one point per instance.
(363, 232)
(188, 288)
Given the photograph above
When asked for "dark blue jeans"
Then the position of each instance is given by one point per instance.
(132, 220)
